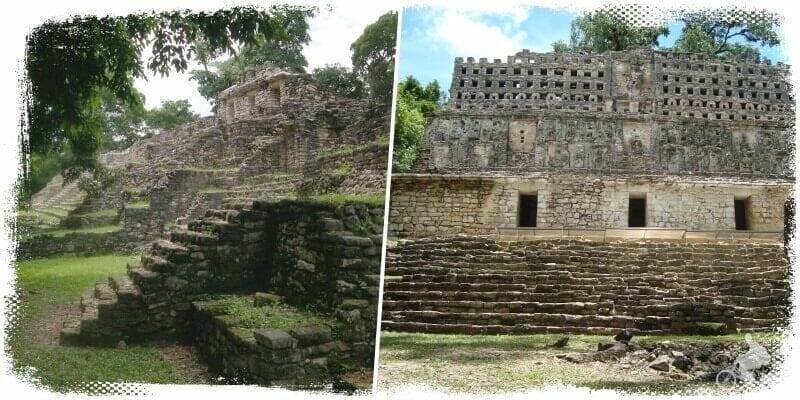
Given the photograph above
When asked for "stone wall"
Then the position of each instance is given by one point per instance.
(425, 205)
(317, 255)
(77, 243)
(359, 169)
(634, 112)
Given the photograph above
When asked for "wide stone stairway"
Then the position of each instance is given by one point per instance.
(477, 285)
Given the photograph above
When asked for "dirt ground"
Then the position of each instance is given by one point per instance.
(468, 364)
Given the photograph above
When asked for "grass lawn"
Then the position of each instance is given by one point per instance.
(484, 363)
(372, 199)
(49, 289)
(90, 229)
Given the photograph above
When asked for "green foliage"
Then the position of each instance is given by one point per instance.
(373, 199)
(413, 102)
(122, 123)
(559, 46)
(276, 316)
(69, 63)
(285, 53)
(373, 56)
(340, 80)
(702, 34)
(604, 30)
(170, 115)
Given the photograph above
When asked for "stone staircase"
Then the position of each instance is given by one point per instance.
(155, 295)
(480, 286)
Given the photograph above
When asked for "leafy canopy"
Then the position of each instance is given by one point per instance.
(715, 37)
(413, 102)
(603, 30)
(341, 80)
(170, 115)
(68, 65)
(373, 56)
(285, 53)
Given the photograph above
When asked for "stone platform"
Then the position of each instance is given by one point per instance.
(477, 285)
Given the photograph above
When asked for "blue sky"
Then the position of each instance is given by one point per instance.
(432, 37)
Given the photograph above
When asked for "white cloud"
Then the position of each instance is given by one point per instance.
(465, 34)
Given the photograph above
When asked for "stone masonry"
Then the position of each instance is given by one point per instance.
(307, 270)
(584, 132)
(599, 190)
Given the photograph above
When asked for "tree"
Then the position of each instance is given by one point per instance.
(170, 115)
(603, 30)
(413, 102)
(713, 36)
(123, 124)
(284, 54)
(340, 80)
(69, 63)
(373, 56)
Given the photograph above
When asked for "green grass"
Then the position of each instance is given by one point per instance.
(277, 316)
(343, 169)
(373, 199)
(351, 149)
(109, 212)
(91, 229)
(39, 217)
(45, 285)
(138, 204)
(486, 363)
(212, 189)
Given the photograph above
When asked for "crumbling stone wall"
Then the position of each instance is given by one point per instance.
(425, 205)
(320, 255)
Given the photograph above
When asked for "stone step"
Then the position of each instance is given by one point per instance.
(152, 262)
(147, 281)
(470, 295)
(189, 237)
(463, 287)
(126, 290)
(171, 251)
(526, 329)
(577, 308)
(539, 319)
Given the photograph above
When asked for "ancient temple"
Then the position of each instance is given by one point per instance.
(589, 192)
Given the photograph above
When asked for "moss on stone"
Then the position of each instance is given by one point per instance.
(277, 316)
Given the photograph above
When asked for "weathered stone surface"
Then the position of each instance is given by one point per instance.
(262, 299)
(661, 363)
(311, 334)
(274, 339)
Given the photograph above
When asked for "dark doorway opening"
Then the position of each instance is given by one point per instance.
(741, 209)
(636, 212)
(527, 210)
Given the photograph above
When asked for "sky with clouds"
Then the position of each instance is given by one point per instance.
(431, 37)
(332, 31)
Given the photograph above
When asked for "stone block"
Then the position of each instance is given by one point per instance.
(307, 335)
(274, 339)
(261, 299)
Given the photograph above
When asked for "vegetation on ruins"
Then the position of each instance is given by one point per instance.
(708, 34)
(713, 37)
(341, 80)
(69, 64)
(413, 102)
(373, 56)
(283, 53)
(170, 115)
(604, 30)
